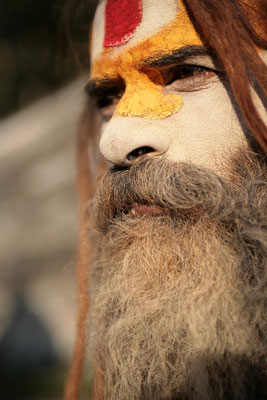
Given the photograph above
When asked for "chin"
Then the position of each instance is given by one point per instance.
(179, 283)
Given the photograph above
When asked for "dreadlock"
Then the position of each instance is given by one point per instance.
(235, 44)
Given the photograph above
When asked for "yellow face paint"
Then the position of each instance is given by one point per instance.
(144, 95)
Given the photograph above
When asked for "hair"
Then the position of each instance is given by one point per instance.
(235, 44)
(159, 327)
(234, 29)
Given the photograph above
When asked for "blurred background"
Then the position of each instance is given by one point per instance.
(43, 70)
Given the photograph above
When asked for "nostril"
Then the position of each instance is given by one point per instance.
(140, 151)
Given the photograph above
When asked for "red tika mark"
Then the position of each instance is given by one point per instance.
(122, 19)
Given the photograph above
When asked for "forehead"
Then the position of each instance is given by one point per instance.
(119, 24)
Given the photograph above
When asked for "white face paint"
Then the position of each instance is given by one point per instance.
(155, 15)
(205, 130)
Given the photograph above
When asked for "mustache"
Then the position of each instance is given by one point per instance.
(154, 285)
(176, 188)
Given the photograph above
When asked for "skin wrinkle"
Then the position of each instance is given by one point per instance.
(197, 55)
(179, 296)
(180, 55)
(207, 125)
(160, 12)
(143, 98)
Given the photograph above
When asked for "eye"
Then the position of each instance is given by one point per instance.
(107, 105)
(106, 95)
(187, 77)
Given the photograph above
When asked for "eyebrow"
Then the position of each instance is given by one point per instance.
(180, 55)
(104, 87)
(111, 86)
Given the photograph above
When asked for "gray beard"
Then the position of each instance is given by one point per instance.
(179, 298)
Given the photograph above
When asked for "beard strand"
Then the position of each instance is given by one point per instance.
(178, 297)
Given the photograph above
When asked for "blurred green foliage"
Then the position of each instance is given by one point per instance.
(43, 45)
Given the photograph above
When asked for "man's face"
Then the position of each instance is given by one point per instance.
(160, 90)
(178, 251)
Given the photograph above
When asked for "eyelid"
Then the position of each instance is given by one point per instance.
(107, 105)
(192, 82)
(107, 97)
(210, 61)
(189, 65)
(99, 88)
(204, 62)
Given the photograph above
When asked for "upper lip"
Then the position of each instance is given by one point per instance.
(139, 209)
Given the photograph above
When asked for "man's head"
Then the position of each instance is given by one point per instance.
(160, 88)
(179, 238)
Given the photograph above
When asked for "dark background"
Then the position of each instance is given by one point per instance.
(43, 45)
(43, 49)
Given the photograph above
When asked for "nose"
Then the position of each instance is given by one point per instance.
(126, 139)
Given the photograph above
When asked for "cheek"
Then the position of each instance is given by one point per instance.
(207, 128)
